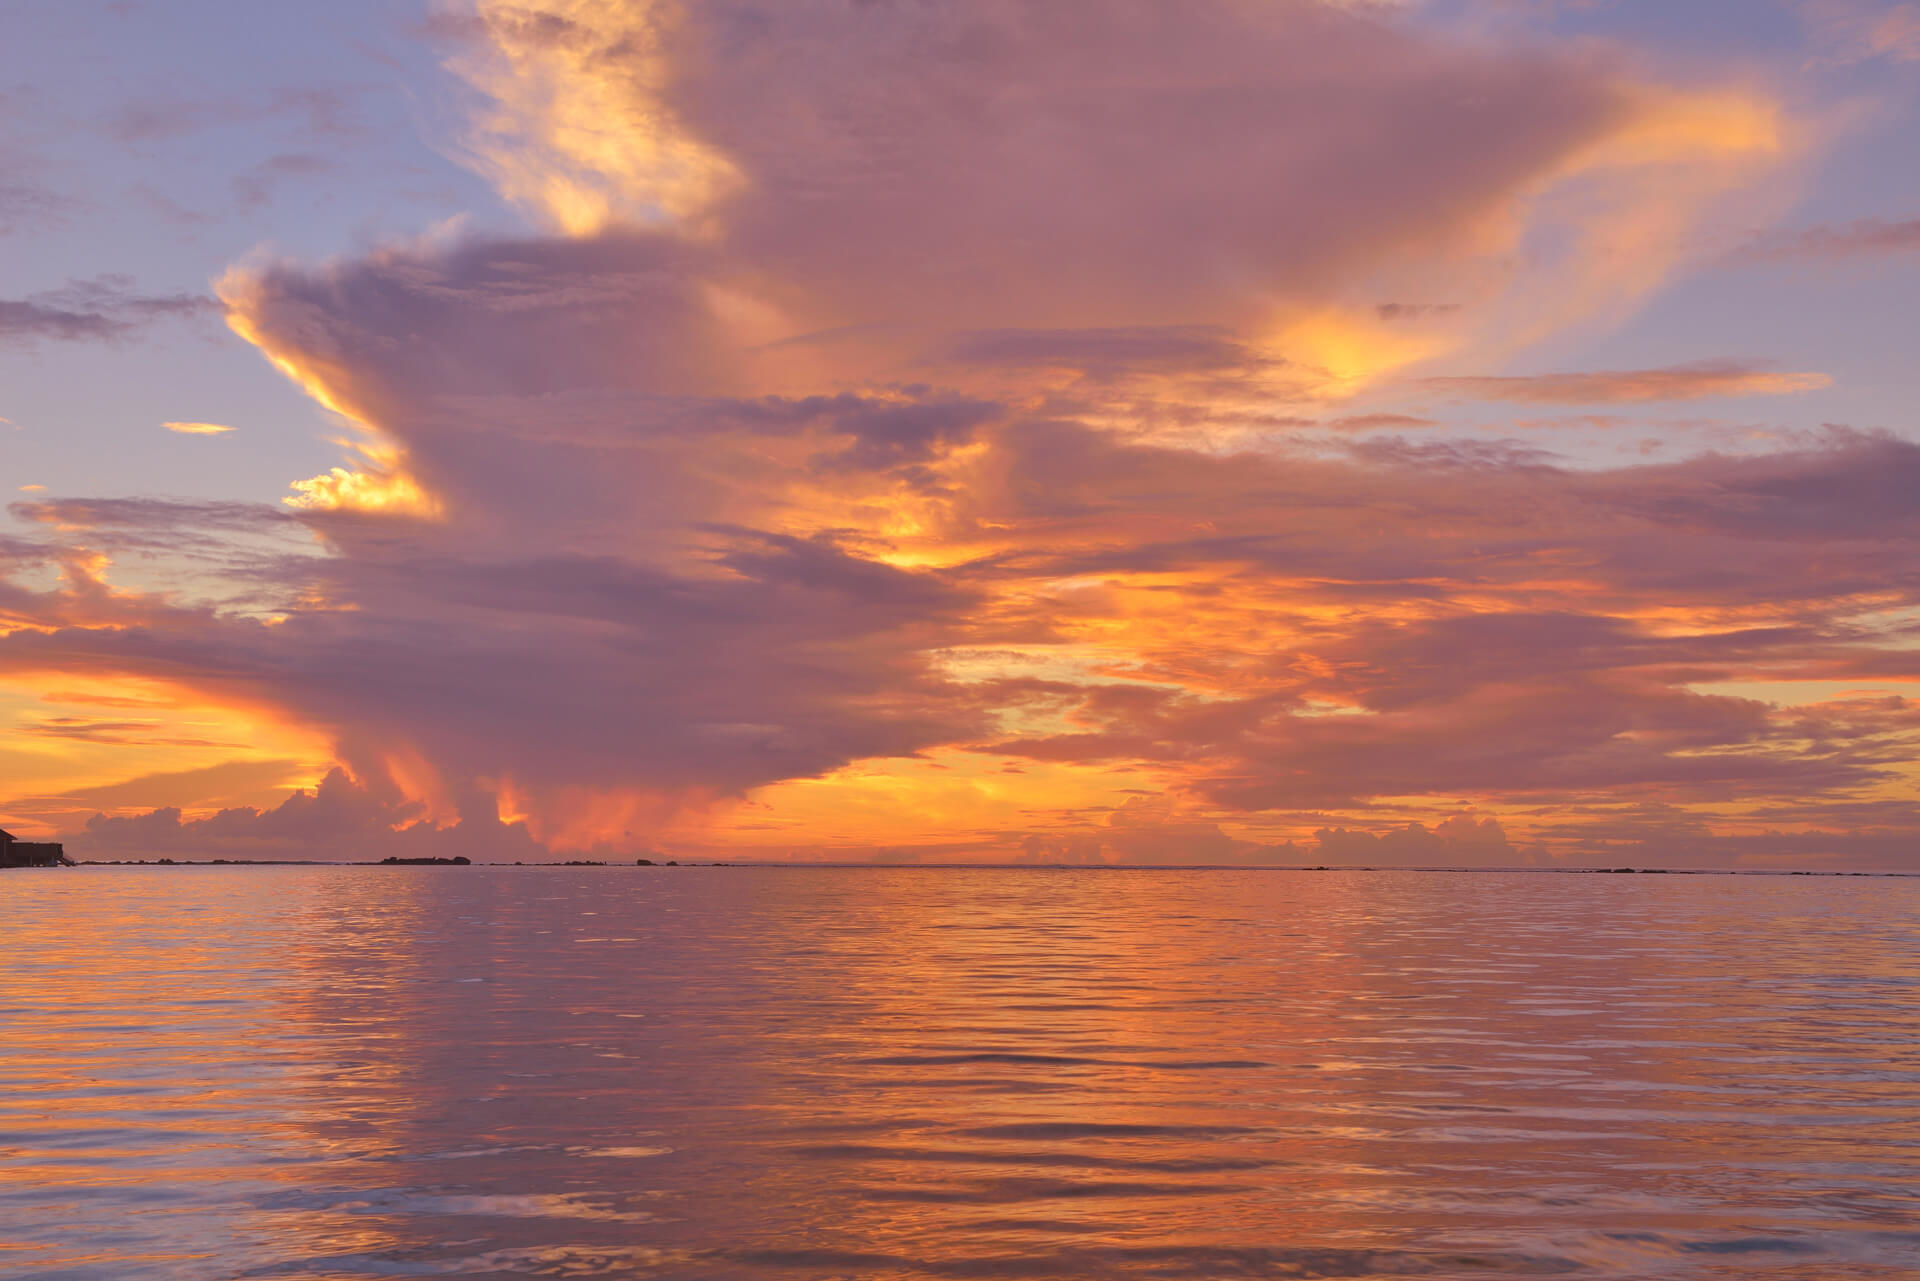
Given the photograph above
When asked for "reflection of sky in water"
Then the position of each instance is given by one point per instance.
(813, 1073)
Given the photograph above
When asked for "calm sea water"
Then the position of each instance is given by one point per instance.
(759, 1073)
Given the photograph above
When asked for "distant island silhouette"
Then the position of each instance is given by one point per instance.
(18, 853)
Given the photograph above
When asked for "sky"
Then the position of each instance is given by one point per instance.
(1372, 432)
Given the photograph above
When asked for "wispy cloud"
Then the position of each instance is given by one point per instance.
(1627, 386)
(257, 185)
(318, 112)
(197, 429)
(27, 202)
(1864, 238)
(119, 733)
(1857, 30)
(106, 308)
(26, 205)
(235, 782)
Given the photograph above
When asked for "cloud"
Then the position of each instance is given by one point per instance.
(1414, 310)
(788, 658)
(124, 733)
(1859, 30)
(759, 657)
(102, 309)
(1155, 831)
(1004, 166)
(319, 112)
(1381, 422)
(339, 820)
(1865, 238)
(155, 514)
(1469, 697)
(257, 185)
(197, 429)
(1459, 841)
(195, 535)
(900, 391)
(1876, 836)
(1104, 352)
(226, 783)
(26, 205)
(1629, 386)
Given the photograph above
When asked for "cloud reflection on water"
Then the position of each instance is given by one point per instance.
(740, 1073)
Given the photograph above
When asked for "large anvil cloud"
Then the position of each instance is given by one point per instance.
(945, 386)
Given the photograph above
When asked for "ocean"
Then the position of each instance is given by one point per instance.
(725, 1072)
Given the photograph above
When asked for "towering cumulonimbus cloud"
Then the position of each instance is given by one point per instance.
(906, 390)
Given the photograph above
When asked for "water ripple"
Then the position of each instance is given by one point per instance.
(319, 1073)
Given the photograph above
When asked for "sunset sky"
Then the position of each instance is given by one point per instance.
(1231, 431)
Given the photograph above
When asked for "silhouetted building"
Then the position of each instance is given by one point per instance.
(18, 853)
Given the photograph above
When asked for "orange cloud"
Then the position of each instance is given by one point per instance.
(1629, 386)
(578, 131)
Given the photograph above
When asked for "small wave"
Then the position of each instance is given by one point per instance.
(1011, 1191)
(1059, 1060)
(975, 1156)
(1102, 1130)
(1175, 1261)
